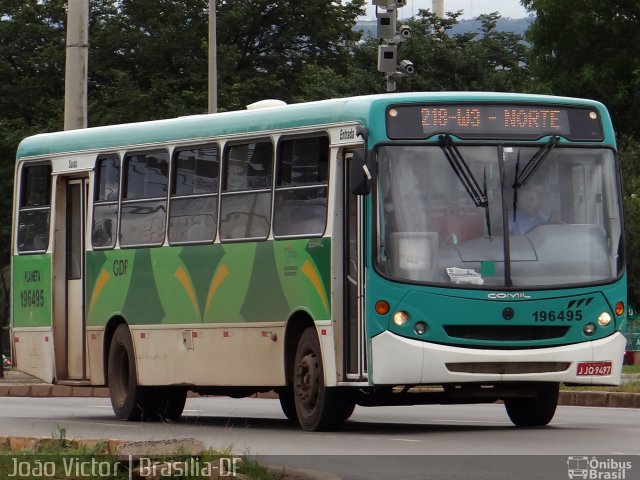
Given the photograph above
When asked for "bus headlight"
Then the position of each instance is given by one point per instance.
(589, 329)
(400, 318)
(604, 319)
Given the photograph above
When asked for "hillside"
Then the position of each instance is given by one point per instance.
(516, 25)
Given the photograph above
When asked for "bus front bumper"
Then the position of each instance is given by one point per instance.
(401, 361)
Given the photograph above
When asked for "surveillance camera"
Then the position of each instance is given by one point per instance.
(406, 66)
(405, 32)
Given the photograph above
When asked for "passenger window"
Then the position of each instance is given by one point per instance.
(193, 210)
(144, 199)
(301, 188)
(105, 198)
(35, 207)
(245, 208)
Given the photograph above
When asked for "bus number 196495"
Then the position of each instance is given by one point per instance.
(557, 316)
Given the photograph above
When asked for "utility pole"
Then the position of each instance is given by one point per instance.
(437, 6)
(76, 65)
(213, 59)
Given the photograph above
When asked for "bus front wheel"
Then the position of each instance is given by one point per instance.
(318, 408)
(534, 411)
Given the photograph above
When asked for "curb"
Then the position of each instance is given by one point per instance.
(576, 398)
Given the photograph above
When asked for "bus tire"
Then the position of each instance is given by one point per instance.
(169, 403)
(129, 401)
(536, 411)
(347, 409)
(287, 402)
(318, 408)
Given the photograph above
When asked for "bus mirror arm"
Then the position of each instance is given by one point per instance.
(361, 174)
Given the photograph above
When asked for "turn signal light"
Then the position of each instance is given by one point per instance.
(620, 308)
(382, 307)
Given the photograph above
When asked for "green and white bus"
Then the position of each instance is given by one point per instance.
(374, 250)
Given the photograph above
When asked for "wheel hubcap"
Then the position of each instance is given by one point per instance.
(308, 379)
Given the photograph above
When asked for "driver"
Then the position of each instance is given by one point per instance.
(528, 213)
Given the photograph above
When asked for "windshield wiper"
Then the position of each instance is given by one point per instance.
(465, 175)
(521, 178)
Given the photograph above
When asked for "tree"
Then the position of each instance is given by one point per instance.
(32, 44)
(591, 49)
(488, 60)
(280, 49)
(630, 163)
(149, 58)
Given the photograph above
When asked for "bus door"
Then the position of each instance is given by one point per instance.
(69, 324)
(354, 334)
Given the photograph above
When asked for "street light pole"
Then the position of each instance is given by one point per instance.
(76, 65)
(213, 60)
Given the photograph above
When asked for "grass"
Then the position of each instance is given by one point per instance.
(631, 387)
(58, 458)
(631, 369)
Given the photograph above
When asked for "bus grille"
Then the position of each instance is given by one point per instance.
(508, 368)
(505, 333)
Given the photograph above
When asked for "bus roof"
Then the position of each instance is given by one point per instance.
(321, 112)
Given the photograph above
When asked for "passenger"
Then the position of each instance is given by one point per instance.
(528, 214)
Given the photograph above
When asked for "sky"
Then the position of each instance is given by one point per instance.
(472, 8)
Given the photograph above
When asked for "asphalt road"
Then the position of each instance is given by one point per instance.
(421, 442)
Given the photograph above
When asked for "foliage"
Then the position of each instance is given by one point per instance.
(31, 91)
(486, 60)
(630, 166)
(148, 60)
(590, 49)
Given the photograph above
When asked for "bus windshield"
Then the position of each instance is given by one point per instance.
(548, 215)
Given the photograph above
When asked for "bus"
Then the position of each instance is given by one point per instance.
(397, 249)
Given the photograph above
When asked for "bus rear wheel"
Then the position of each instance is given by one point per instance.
(129, 400)
(536, 411)
(318, 408)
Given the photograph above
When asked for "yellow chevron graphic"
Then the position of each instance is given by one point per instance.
(311, 273)
(100, 283)
(183, 277)
(219, 276)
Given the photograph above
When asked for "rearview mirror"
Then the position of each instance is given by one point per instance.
(360, 175)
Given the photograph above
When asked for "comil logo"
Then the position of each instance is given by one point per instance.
(508, 296)
(593, 468)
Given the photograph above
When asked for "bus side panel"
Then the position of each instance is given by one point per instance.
(196, 307)
(32, 315)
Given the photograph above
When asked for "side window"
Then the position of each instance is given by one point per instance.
(35, 209)
(105, 201)
(301, 187)
(245, 207)
(193, 210)
(144, 198)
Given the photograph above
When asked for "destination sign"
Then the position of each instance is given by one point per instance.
(486, 121)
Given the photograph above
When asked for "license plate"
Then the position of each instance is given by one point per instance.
(593, 369)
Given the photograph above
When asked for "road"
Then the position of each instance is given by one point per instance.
(385, 442)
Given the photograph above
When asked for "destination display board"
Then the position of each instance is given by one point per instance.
(491, 121)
